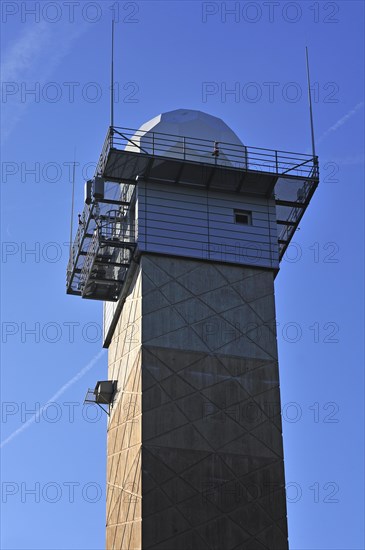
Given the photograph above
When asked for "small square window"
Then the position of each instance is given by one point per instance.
(243, 217)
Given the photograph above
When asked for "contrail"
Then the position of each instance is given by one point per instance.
(54, 397)
(341, 121)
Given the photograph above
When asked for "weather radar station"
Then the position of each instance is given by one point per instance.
(181, 237)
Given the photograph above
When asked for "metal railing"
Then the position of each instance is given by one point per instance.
(114, 229)
(75, 249)
(286, 232)
(95, 226)
(89, 260)
(193, 149)
(110, 234)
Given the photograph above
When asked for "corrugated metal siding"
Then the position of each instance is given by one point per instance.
(200, 224)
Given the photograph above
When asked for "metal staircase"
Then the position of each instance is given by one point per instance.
(104, 245)
(108, 257)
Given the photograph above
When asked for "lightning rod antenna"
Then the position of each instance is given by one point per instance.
(72, 201)
(112, 81)
(310, 106)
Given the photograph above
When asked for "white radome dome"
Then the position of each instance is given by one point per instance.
(204, 131)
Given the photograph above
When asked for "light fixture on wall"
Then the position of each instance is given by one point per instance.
(102, 394)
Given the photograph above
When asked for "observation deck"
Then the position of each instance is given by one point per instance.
(107, 236)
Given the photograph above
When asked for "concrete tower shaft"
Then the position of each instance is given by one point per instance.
(195, 456)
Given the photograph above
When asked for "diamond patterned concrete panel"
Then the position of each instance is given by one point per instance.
(195, 456)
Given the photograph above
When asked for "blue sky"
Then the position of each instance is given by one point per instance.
(171, 55)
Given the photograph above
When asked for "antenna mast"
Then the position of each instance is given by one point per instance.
(310, 107)
(72, 200)
(112, 81)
